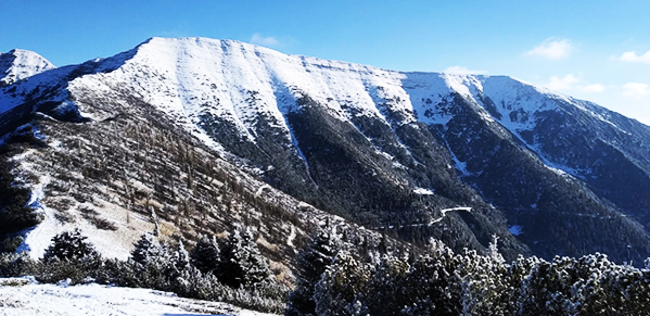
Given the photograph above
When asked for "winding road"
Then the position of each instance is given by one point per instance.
(433, 221)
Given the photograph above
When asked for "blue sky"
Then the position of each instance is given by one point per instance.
(594, 50)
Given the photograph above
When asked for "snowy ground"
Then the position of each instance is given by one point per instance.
(19, 297)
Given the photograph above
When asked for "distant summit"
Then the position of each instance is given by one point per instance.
(19, 64)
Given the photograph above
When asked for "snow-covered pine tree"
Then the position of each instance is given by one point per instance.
(342, 287)
(70, 246)
(242, 264)
(186, 279)
(635, 286)
(147, 249)
(181, 258)
(485, 290)
(205, 255)
(68, 257)
(518, 279)
(547, 289)
(311, 262)
(435, 288)
(385, 293)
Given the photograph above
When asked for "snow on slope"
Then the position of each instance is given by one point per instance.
(22, 91)
(19, 64)
(194, 78)
(189, 78)
(94, 299)
(111, 244)
(241, 83)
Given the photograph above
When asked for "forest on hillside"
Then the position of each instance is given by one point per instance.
(333, 277)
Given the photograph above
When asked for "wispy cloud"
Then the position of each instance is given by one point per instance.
(573, 83)
(567, 82)
(552, 48)
(593, 88)
(636, 89)
(270, 41)
(632, 57)
(460, 70)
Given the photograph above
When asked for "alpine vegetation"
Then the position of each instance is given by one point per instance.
(224, 171)
(335, 281)
(243, 280)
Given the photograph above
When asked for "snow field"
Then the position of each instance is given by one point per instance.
(95, 299)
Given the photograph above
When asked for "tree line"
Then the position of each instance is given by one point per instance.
(333, 279)
(232, 270)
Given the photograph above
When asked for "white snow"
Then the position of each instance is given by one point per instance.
(13, 95)
(19, 64)
(39, 238)
(240, 83)
(94, 299)
(423, 191)
(291, 237)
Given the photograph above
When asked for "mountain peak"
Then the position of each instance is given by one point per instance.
(18, 64)
(343, 134)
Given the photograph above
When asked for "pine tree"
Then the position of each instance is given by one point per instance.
(181, 257)
(147, 250)
(485, 290)
(387, 287)
(311, 262)
(547, 289)
(435, 287)
(342, 286)
(242, 264)
(205, 255)
(70, 246)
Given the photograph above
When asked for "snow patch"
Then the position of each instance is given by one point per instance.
(291, 237)
(423, 191)
(94, 299)
(38, 238)
(19, 64)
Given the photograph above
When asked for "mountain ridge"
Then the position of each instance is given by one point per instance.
(18, 64)
(363, 142)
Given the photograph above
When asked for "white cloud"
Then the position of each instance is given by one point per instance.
(573, 84)
(636, 89)
(593, 88)
(460, 70)
(552, 48)
(259, 39)
(567, 82)
(632, 57)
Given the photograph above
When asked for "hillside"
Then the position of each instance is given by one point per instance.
(186, 132)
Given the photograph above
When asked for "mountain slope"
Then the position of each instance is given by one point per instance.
(119, 176)
(19, 64)
(383, 148)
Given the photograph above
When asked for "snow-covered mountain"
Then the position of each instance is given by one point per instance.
(19, 64)
(381, 147)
